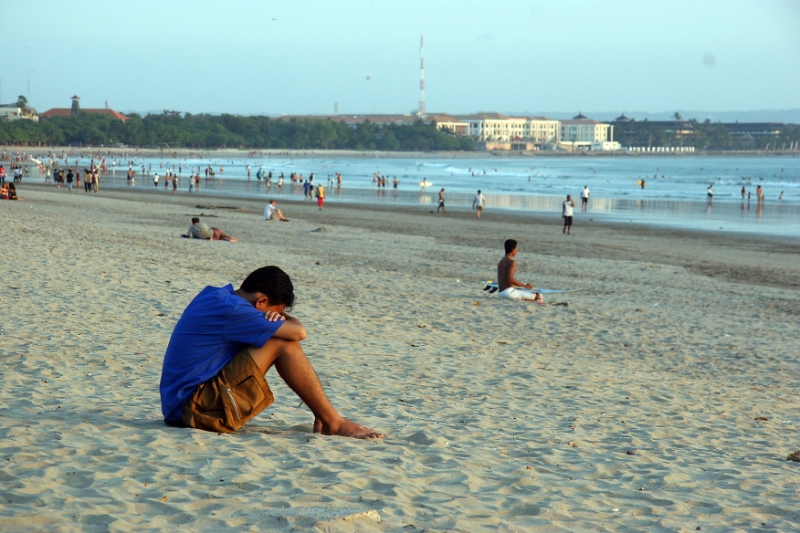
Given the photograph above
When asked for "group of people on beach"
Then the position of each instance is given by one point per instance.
(381, 182)
(17, 171)
(310, 191)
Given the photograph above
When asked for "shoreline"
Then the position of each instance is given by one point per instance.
(615, 220)
(243, 153)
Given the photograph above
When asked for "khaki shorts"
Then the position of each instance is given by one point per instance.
(230, 399)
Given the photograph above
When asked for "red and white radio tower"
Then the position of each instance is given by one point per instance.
(421, 109)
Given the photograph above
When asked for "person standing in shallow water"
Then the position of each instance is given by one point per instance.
(213, 375)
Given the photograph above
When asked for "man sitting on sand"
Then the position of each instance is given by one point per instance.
(271, 212)
(508, 284)
(223, 345)
(202, 231)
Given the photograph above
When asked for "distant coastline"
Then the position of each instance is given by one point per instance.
(444, 154)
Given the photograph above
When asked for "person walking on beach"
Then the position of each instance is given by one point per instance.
(441, 202)
(506, 282)
(155, 180)
(271, 212)
(759, 194)
(70, 179)
(478, 202)
(566, 214)
(585, 197)
(213, 374)
(174, 184)
(710, 193)
(320, 196)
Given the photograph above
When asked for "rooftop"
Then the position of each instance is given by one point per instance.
(65, 112)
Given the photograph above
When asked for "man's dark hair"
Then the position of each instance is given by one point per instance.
(195, 220)
(510, 244)
(272, 282)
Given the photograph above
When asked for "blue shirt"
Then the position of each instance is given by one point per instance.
(215, 326)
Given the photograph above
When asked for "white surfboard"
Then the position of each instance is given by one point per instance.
(492, 287)
(425, 183)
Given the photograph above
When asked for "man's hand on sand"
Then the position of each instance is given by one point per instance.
(273, 316)
(346, 428)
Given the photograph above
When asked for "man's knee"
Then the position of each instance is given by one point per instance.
(266, 355)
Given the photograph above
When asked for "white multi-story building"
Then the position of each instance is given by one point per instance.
(494, 127)
(543, 130)
(581, 131)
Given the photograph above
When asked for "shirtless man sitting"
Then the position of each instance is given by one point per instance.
(223, 345)
(200, 230)
(508, 284)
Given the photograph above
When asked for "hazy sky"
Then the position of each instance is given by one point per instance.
(296, 57)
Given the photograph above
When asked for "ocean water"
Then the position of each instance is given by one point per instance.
(674, 194)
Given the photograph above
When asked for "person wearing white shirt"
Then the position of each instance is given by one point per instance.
(270, 212)
(585, 197)
(478, 203)
(566, 214)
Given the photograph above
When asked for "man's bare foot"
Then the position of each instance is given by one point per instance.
(346, 428)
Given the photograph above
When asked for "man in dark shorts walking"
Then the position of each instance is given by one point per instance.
(566, 214)
(223, 345)
(441, 202)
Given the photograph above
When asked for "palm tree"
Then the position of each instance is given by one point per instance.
(677, 116)
(22, 101)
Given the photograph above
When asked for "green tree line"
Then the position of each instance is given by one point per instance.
(702, 135)
(184, 130)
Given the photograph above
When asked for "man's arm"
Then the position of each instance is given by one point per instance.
(513, 281)
(290, 330)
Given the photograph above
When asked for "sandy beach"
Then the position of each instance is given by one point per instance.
(661, 395)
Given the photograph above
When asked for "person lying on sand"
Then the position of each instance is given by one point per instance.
(200, 230)
(271, 212)
(223, 345)
(507, 284)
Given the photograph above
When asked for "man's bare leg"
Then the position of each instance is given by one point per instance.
(294, 367)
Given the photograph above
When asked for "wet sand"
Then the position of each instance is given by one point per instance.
(632, 404)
